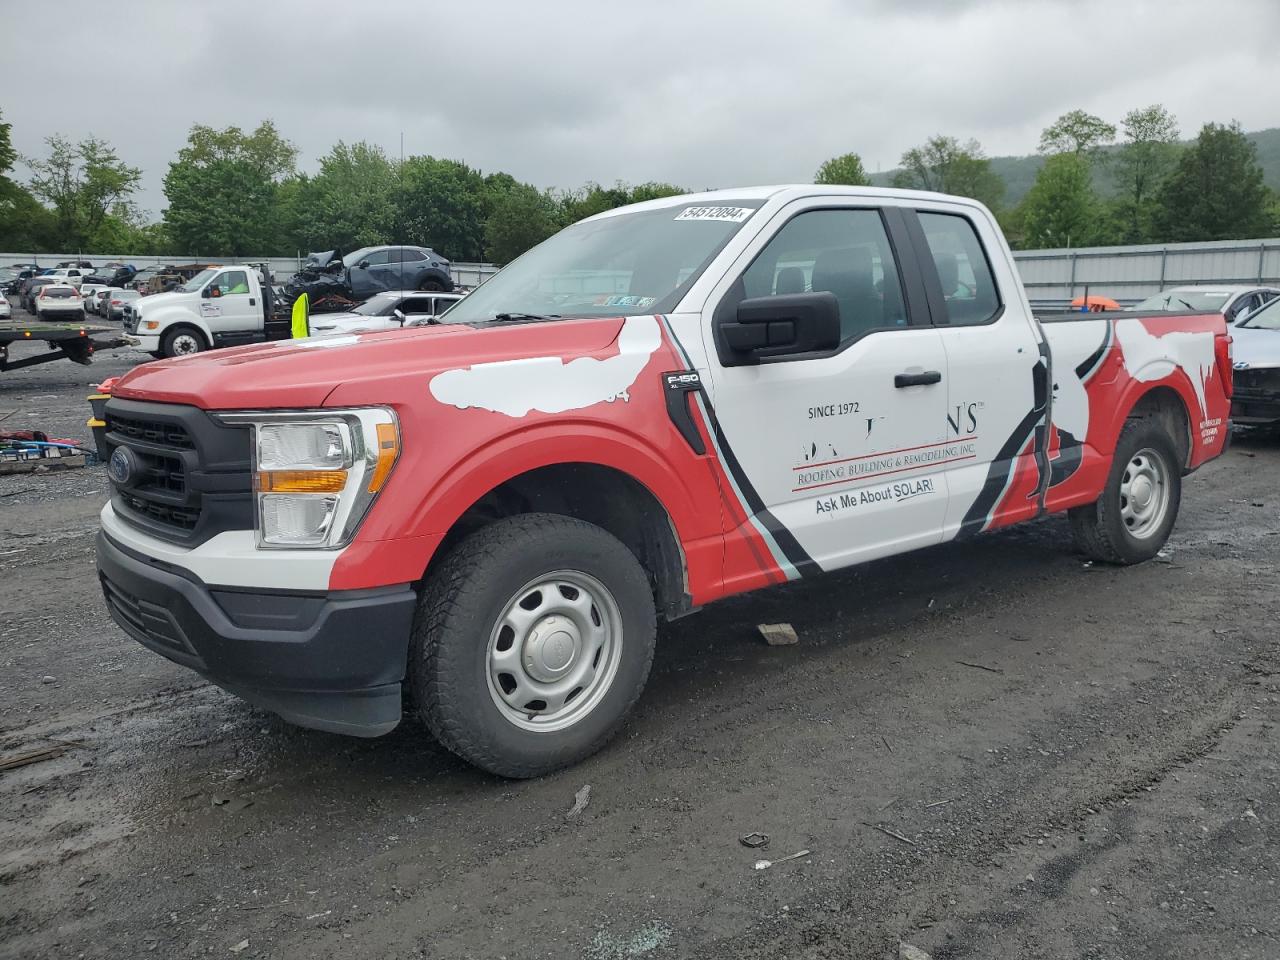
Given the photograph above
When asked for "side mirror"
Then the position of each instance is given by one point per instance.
(399, 314)
(363, 264)
(783, 325)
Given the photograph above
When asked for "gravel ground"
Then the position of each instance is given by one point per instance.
(990, 749)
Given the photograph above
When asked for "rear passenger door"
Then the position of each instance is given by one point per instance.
(836, 456)
(997, 386)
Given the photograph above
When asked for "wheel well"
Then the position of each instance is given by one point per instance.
(1165, 407)
(186, 326)
(596, 494)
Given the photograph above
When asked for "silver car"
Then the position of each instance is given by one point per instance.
(379, 312)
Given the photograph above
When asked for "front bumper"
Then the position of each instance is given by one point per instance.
(1255, 409)
(150, 344)
(331, 660)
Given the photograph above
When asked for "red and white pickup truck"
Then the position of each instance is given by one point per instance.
(658, 407)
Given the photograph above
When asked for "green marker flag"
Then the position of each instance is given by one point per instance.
(301, 317)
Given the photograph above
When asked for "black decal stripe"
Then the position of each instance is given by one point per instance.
(1070, 456)
(1089, 366)
(998, 476)
(796, 555)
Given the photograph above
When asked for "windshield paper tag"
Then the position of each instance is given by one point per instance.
(727, 214)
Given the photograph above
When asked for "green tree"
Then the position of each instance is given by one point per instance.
(1060, 210)
(945, 165)
(1077, 132)
(224, 191)
(81, 182)
(653, 190)
(441, 204)
(521, 217)
(1215, 191)
(350, 203)
(1145, 158)
(845, 169)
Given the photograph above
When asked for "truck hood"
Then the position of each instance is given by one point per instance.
(154, 300)
(1254, 346)
(302, 373)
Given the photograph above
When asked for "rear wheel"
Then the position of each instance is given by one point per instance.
(1132, 519)
(182, 342)
(532, 642)
(431, 285)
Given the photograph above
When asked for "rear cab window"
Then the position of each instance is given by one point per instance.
(969, 292)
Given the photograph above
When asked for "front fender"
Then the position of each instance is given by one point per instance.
(409, 521)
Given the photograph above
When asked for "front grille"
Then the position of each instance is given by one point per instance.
(1265, 379)
(190, 476)
(153, 431)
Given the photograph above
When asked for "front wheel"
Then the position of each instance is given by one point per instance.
(1133, 518)
(533, 640)
(181, 342)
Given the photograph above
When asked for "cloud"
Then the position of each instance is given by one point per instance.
(699, 94)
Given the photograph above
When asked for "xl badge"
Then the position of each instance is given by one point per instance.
(121, 466)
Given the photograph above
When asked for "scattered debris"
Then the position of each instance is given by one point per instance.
(317, 916)
(939, 803)
(886, 806)
(890, 833)
(242, 945)
(766, 864)
(907, 952)
(778, 634)
(48, 679)
(31, 756)
(980, 666)
(754, 840)
(236, 804)
(217, 801)
(885, 741)
(580, 801)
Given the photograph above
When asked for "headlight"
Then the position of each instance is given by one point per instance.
(315, 474)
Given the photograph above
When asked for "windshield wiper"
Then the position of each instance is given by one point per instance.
(509, 317)
(1185, 304)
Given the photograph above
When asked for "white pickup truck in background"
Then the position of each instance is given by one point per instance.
(219, 307)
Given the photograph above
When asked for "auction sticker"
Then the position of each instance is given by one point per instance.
(727, 214)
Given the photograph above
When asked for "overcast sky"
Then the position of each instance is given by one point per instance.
(558, 92)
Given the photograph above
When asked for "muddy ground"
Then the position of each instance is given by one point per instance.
(989, 749)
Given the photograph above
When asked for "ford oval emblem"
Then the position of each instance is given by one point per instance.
(120, 468)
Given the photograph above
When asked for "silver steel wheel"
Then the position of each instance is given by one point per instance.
(554, 651)
(185, 343)
(1144, 493)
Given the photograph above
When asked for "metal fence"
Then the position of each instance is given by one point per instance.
(1052, 277)
(1129, 274)
(282, 268)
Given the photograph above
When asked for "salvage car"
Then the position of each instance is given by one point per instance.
(1233, 302)
(1256, 346)
(386, 311)
(660, 406)
(371, 270)
(6, 311)
(59, 301)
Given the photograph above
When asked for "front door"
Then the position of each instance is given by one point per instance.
(231, 309)
(839, 456)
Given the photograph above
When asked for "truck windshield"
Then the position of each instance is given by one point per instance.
(621, 265)
(197, 282)
(1177, 301)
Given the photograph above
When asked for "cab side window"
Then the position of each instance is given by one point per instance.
(968, 287)
(233, 281)
(845, 252)
(377, 258)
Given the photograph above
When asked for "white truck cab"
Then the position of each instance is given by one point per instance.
(218, 307)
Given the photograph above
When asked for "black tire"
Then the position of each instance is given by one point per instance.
(431, 285)
(169, 346)
(158, 354)
(1100, 529)
(460, 609)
